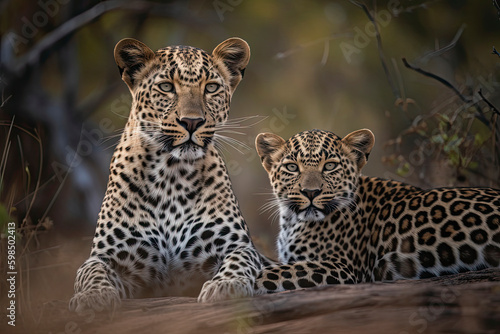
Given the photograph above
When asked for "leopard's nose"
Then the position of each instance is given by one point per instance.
(191, 124)
(310, 193)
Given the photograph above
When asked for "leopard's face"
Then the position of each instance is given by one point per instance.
(315, 172)
(181, 95)
(182, 101)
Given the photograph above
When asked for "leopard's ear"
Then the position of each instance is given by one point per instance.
(234, 53)
(360, 143)
(270, 149)
(131, 56)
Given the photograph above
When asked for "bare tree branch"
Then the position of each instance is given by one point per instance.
(495, 110)
(77, 22)
(495, 52)
(424, 59)
(497, 6)
(494, 127)
(411, 9)
(438, 78)
(325, 40)
(470, 102)
(379, 47)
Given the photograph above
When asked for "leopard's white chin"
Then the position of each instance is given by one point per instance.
(311, 214)
(188, 153)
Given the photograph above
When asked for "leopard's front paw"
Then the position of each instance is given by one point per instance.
(221, 289)
(95, 299)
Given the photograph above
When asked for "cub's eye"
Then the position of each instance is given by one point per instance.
(291, 167)
(211, 87)
(329, 166)
(166, 87)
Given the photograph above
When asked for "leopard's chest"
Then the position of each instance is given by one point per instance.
(185, 214)
(343, 233)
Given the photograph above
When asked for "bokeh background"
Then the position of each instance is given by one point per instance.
(314, 64)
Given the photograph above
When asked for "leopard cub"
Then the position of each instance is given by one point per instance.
(338, 226)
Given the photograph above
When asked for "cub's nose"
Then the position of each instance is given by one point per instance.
(191, 124)
(310, 193)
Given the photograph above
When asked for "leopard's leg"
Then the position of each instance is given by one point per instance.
(235, 277)
(303, 274)
(97, 287)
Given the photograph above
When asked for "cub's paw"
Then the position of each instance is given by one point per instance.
(95, 299)
(221, 289)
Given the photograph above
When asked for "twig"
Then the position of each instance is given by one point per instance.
(410, 9)
(424, 59)
(325, 40)
(495, 52)
(4, 100)
(492, 107)
(326, 52)
(379, 47)
(438, 78)
(5, 154)
(497, 6)
(35, 192)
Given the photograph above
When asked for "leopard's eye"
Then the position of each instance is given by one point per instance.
(212, 87)
(291, 167)
(167, 87)
(329, 166)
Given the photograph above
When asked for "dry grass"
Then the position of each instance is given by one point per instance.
(45, 262)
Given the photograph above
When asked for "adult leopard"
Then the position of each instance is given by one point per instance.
(337, 226)
(169, 220)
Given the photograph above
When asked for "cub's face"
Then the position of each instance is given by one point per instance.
(315, 172)
(181, 95)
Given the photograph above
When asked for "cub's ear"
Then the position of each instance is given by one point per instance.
(235, 54)
(131, 56)
(270, 148)
(360, 143)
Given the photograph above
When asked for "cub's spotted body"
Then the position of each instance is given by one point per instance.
(337, 226)
(169, 220)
